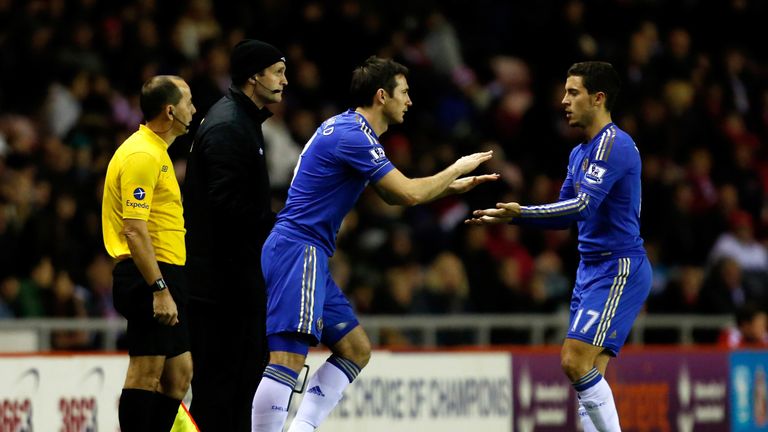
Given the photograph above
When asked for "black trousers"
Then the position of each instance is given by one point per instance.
(229, 354)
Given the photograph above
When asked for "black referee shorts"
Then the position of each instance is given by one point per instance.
(132, 297)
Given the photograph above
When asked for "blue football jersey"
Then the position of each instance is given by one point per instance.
(602, 194)
(336, 165)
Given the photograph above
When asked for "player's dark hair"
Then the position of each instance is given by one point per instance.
(598, 77)
(374, 74)
(158, 92)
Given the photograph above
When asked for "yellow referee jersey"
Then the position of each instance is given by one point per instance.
(141, 184)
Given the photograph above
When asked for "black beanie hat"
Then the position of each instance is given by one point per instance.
(250, 56)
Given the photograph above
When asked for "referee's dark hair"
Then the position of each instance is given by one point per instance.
(374, 74)
(158, 92)
(598, 77)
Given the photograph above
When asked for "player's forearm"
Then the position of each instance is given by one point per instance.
(426, 189)
(559, 215)
(142, 251)
(447, 191)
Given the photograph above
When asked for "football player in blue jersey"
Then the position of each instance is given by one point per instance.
(601, 193)
(304, 304)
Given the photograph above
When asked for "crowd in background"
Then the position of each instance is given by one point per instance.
(489, 76)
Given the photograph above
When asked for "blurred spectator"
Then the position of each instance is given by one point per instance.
(361, 294)
(80, 53)
(739, 244)
(24, 298)
(481, 269)
(5, 311)
(682, 227)
(739, 80)
(401, 288)
(398, 296)
(513, 293)
(699, 175)
(446, 291)
(580, 45)
(682, 295)
(678, 61)
(727, 204)
(751, 329)
(550, 287)
(196, 25)
(64, 103)
(212, 78)
(640, 68)
(743, 168)
(9, 292)
(514, 97)
(723, 290)
(67, 300)
(446, 286)
(99, 275)
(504, 242)
(399, 248)
(57, 231)
(282, 151)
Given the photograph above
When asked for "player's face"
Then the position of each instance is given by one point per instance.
(272, 82)
(398, 102)
(579, 105)
(184, 110)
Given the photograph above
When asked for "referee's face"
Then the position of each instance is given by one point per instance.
(398, 102)
(184, 110)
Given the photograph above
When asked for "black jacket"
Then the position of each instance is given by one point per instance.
(226, 197)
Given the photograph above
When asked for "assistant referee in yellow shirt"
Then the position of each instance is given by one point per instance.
(143, 227)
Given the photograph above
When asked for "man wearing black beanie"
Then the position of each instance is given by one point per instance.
(228, 215)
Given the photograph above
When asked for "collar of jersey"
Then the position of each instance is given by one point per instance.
(153, 137)
(596, 138)
(363, 121)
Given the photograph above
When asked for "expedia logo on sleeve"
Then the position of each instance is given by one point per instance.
(129, 203)
(139, 193)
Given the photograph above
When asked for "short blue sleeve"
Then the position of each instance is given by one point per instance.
(364, 154)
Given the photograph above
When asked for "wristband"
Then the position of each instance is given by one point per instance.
(159, 285)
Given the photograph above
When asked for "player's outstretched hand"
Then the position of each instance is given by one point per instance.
(468, 163)
(503, 213)
(466, 184)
